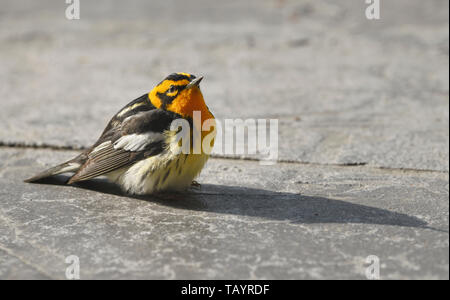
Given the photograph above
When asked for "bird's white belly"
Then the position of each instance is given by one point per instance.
(163, 172)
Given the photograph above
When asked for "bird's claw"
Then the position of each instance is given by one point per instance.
(196, 185)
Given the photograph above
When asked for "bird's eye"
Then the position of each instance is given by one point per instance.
(172, 89)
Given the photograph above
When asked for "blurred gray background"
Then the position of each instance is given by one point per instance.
(363, 110)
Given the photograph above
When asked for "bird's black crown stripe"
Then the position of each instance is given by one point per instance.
(177, 77)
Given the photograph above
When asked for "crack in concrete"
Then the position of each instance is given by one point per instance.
(40, 146)
(44, 146)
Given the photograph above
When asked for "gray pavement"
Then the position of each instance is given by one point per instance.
(363, 110)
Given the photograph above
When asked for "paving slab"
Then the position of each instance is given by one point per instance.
(344, 89)
(248, 221)
(13, 267)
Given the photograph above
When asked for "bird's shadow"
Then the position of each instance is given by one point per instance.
(280, 206)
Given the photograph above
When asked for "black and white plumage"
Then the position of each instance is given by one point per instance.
(135, 151)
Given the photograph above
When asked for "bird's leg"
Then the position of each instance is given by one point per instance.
(196, 185)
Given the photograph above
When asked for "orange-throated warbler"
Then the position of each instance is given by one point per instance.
(136, 148)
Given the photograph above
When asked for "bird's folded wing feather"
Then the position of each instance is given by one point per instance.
(138, 137)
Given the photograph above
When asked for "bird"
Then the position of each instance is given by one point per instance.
(139, 150)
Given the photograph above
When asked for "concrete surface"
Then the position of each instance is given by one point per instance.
(346, 91)
(248, 222)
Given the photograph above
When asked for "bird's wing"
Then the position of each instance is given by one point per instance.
(139, 136)
(136, 106)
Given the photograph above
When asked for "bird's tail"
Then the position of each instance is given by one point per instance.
(69, 166)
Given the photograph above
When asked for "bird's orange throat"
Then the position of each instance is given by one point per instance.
(185, 104)
(188, 102)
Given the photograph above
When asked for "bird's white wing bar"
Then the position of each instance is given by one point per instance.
(137, 142)
(138, 137)
(101, 147)
(129, 108)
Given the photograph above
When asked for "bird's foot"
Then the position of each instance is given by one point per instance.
(196, 185)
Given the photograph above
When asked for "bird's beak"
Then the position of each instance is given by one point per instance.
(195, 82)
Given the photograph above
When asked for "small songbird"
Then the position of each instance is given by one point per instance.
(136, 149)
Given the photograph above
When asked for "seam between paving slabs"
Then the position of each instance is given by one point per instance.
(44, 146)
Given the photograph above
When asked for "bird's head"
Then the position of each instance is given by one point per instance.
(180, 93)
